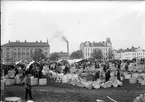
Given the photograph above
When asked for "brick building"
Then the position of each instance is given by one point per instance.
(13, 51)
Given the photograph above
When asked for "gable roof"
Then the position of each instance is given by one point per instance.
(26, 44)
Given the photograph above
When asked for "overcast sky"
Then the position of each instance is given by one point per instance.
(123, 22)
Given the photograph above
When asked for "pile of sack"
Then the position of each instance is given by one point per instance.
(76, 80)
(140, 98)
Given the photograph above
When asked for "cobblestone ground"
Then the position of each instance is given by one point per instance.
(67, 93)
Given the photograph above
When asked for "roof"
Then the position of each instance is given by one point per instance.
(133, 49)
(94, 44)
(26, 44)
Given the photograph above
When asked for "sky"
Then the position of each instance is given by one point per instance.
(79, 21)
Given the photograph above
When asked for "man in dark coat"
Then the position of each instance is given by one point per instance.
(107, 75)
(118, 75)
(97, 74)
(27, 85)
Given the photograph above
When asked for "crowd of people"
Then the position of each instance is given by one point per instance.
(63, 66)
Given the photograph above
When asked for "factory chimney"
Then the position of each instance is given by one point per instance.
(64, 38)
(68, 49)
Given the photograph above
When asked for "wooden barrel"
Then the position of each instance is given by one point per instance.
(34, 81)
(132, 80)
(43, 81)
(135, 75)
(13, 99)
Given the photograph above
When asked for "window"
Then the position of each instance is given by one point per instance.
(15, 54)
(23, 54)
(45, 48)
(19, 49)
(19, 54)
(23, 48)
(27, 48)
(27, 54)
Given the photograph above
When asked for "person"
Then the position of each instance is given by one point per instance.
(107, 75)
(27, 85)
(97, 74)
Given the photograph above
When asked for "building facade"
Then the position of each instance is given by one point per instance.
(88, 48)
(63, 55)
(130, 53)
(14, 51)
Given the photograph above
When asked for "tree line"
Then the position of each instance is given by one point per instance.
(96, 54)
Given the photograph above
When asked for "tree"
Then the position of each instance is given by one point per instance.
(110, 54)
(76, 54)
(38, 54)
(97, 54)
(54, 56)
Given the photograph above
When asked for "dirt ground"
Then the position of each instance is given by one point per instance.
(57, 92)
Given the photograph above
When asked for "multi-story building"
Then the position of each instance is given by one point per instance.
(63, 55)
(88, 48)
(13, 51)
(117, 54)
(131, 53)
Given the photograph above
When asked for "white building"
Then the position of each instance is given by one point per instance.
(88, 47)
(130, 53)
(13, 51)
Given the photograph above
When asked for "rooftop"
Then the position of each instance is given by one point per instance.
(26, 44)
(132, 49)
(95, 44)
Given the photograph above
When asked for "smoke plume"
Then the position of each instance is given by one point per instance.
(58, 35)
(64, 39)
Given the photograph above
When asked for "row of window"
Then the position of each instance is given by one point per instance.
(7, 49)
(134, 54)
(89, 54)
(93, 49)
(20, 54)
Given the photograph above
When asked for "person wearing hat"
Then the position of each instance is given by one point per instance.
(27, 85)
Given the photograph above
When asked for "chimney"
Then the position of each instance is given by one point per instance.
(9, 41)
(47, 40)
(68, 49)
(25, 40)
